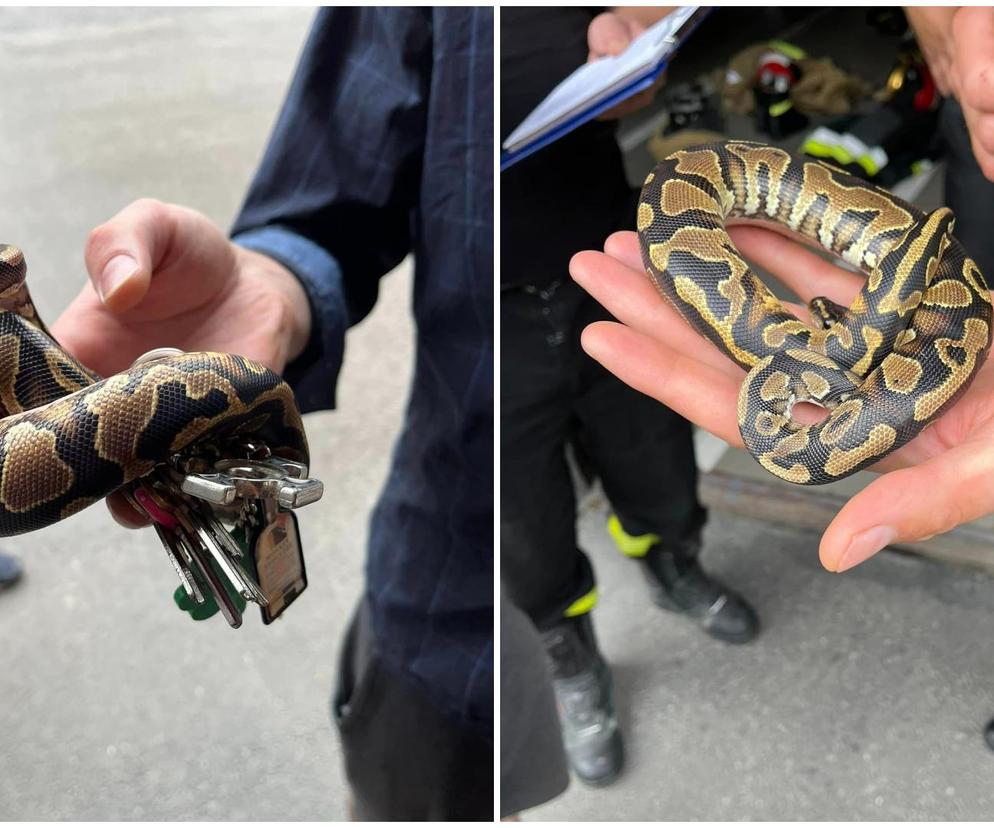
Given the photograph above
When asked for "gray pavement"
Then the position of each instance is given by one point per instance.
(113, 704)
(863, 698)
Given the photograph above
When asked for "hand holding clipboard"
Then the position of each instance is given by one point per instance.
(600, 85)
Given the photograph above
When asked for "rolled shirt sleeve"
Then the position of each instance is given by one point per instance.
(334, 197)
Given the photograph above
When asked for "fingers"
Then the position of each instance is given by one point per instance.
(973, 79)
(911, 504)
(699, 392)
(608, 34)
(121, 254)
(631, 298)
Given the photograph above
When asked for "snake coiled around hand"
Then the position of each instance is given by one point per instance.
(885, 368)
(69, 438)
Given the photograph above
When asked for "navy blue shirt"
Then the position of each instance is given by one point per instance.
(384, 147)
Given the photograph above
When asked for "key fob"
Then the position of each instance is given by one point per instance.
(278, 559)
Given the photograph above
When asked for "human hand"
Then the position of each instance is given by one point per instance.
(958, 44)
(942, 478)
(609, 34)
(164, 275)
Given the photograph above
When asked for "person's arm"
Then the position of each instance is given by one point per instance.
(942, 478)
(958, 43)
(334, 196)
(610, 33)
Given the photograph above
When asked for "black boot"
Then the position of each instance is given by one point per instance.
(582, 682)
(678, 583)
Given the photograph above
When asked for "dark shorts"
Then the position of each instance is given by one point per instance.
(405, 758)
(532, 761)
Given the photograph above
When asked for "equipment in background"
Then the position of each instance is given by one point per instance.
(897, 138)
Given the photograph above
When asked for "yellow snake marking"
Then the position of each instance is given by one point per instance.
(949, 294)
(649, 179)
(678, 196)
(905, 337)
(842, 334)
(10, 351)
(795, 474)
(842, 461)
(742, 404)
(840, 421)
(76, 505)
(816, 384)
(707, 244)
(819, 181)
(775, 335)
(796, 442)
(972, 274)
(769, 423)
(33, 473)
(645, 216)
(56, 363)
(901, 373)
(813, 358)
(775, 160)
(976, 337)
(873, 339)
(775, 387)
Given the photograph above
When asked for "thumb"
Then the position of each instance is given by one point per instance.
(121, 253)
(607, 35)
(911, 504)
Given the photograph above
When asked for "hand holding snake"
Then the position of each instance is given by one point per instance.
(941, 478)
(183, 284)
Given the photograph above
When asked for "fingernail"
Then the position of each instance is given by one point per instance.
(864, 545)
(118, 270)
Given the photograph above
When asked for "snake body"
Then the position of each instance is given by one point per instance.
(885, 368)
(69, 438)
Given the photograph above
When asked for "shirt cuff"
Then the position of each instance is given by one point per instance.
(314, 374)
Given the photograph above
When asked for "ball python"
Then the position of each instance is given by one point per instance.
(69, 438)
(884, 368)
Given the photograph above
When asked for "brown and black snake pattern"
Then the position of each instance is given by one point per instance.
(903, 352)
(69, 438)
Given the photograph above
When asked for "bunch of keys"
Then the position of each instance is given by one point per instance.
(230, 533)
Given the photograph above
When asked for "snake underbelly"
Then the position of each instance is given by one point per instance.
(902, 353)
(69, 438)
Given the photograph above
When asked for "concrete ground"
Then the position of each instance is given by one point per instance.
(113, 704)
(864, 697)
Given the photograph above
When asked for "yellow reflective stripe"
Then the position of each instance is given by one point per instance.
(836, 152)
(778, 109)
(868, 164)
(582, 605)
(789, 49)
(632, 547)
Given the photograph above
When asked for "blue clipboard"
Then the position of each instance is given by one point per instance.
(644, 81)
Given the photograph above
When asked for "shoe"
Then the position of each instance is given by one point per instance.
(989, 734)
(10, 571)
(679, 584)
(582, 683)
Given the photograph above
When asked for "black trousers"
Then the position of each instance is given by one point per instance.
(968, 193)
(554, 395)
(404, 758)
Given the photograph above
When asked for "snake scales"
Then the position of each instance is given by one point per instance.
(69, 438)
(885, 368)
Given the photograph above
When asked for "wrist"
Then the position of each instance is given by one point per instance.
(292, 307)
